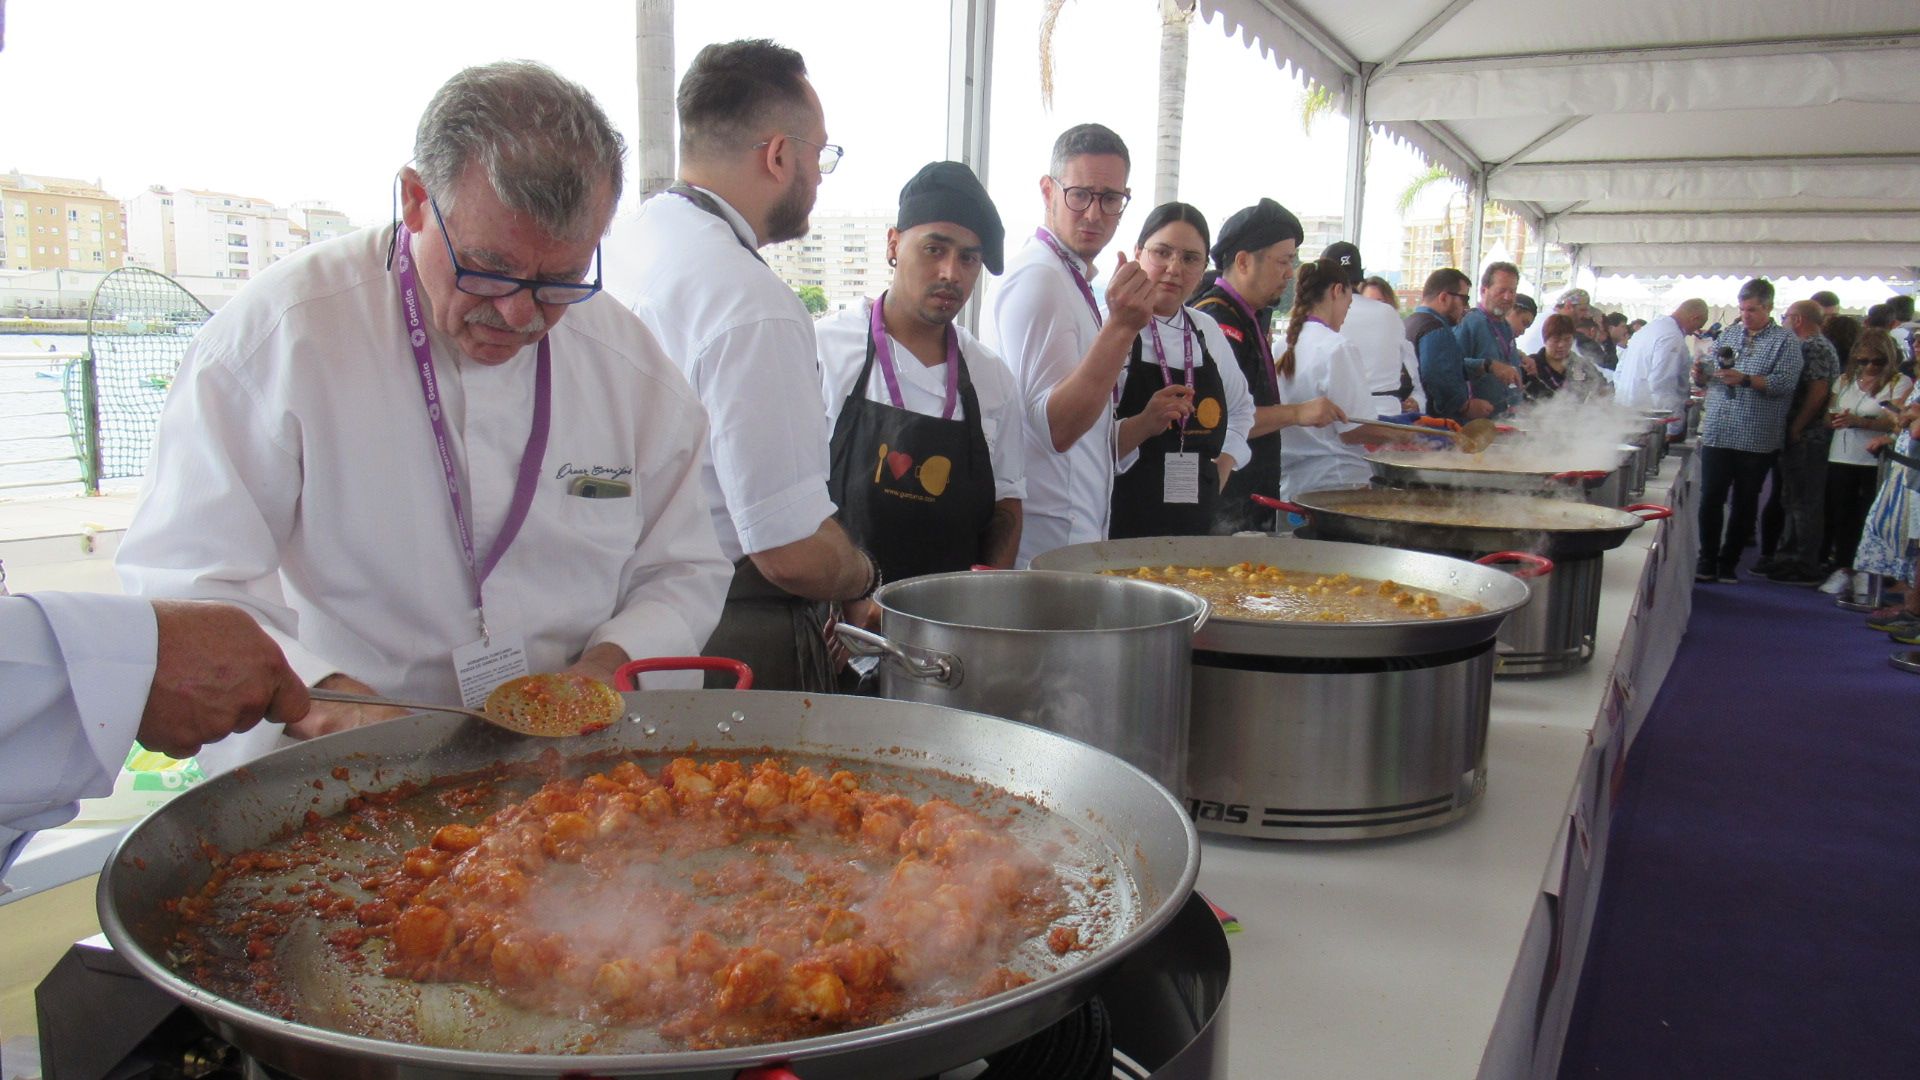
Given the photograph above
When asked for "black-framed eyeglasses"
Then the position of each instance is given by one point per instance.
(494, 286)
(1112, 203)
(830, 153)
(1465, 298)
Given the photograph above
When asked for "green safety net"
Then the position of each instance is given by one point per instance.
(138, 329)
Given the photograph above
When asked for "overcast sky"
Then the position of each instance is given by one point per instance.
(290, 102)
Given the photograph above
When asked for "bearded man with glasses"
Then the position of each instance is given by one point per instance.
(430, 457)
(1446, 372)
(1068, 354)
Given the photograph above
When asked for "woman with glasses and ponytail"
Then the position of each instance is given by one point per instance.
(1184, 407)
(1318, 362)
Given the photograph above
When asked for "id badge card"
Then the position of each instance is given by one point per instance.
(1182, 479)
(482, 665)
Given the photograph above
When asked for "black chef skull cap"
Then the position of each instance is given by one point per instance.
(1255, 228)
(948, 191)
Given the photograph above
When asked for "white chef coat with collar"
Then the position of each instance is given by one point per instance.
(295, 473)
(842, 339)
(74, 673)
(1379, 335)
(1045, 329)
(1326, 364)
(1657, 370)
(1233, 381)
(746, 343)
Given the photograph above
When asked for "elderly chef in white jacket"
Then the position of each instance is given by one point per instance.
(392, 450)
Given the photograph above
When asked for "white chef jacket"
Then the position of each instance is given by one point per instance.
(746, 343)
(295, 474)
(1314, 459)
(1045, 329)
(842, 339)
(1656, 372)
(1377, 332)
(74, 673)
(1233, 381)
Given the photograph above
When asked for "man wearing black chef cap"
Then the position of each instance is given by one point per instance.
(926, 451)
(1255, 255)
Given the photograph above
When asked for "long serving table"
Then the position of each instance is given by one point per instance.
(1455, 952)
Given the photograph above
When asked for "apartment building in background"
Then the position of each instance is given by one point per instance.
(187, 232)
(845, 256)
(56, 223)
(1427, 244)
(1319, 231)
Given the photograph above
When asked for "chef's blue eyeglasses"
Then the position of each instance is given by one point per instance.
(494, 286)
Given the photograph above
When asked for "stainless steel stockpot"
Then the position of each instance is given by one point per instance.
(1100, 659)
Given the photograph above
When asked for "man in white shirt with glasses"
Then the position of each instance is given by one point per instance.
(1066, 353)
(391, 450)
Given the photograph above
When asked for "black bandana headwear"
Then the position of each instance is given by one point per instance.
(1259, 226)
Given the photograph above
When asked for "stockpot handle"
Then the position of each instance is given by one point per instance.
(940, 668)
(1649, 511)
(623, 675)
(767, 1072)
(1585, 476)
(1272, 503)
(1532, 566)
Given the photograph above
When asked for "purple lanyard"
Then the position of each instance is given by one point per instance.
(529, 459)
(883, 352)
(1266, 350)
(1502, 333)
(1079, 279)
(1160, 354)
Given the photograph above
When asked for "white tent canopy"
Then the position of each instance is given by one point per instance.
(1649, 137)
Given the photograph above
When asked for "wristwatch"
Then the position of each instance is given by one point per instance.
(1746, 379)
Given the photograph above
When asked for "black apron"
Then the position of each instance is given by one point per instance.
(1139, 494)
(1260, 474)
(779, 635)
(914, 490)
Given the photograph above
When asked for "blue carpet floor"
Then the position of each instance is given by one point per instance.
(1760, 911)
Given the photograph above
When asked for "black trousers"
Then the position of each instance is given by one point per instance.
(1725, 534)
(1850, 492)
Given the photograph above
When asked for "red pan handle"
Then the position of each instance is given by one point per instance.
(1581, 474)
(767, 1072)
(1649, 511)
(742, 674)
(1533, 566)
(982, 566)
(1272, 503)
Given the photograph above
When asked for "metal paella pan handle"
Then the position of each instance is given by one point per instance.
(1649, 511)
(1532, 566)
(623, 676)
(935, 667)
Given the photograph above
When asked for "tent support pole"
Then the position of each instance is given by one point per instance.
(969, 96)
(1356, 156)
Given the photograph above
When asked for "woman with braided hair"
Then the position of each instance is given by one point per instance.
(1319, 362)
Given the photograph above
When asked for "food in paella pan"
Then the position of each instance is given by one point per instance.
(1250, 590)
(719, 903)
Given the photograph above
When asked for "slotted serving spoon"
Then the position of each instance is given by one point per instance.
(552, 705)
(1474, 437)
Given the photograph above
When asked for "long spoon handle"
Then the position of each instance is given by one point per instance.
(374, 699)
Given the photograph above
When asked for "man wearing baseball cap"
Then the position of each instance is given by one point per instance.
(926, 452)
(1375, 329)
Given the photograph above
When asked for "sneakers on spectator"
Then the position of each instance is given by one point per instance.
(1903, 622)
(1705, 574)
(1787, 573)
(1908, 635)
(1765, 564)
(1727, 576)
(1836, 583)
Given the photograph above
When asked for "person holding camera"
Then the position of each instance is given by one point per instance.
(1749, 395)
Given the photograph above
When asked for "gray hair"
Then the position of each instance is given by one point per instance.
(1695, 308)
(1086, 139)
(542, 141)
(1759, 290)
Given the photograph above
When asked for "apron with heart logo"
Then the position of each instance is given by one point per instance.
(915, 490)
